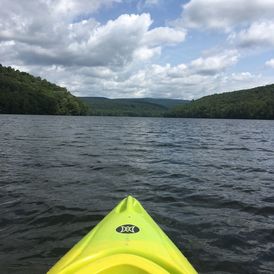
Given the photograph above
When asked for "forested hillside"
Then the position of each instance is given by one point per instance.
(151, 107)
(255, 103)
(22, 93)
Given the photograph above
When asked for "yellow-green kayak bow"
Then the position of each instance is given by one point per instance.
(126, 241)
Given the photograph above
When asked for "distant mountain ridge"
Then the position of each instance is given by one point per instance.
(130, 106)
(22, 93)
(165, 102)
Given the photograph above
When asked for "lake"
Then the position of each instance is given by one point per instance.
(208, 183)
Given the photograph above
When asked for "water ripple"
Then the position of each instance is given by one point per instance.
(208, 183)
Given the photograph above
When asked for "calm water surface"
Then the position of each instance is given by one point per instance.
(208, 183)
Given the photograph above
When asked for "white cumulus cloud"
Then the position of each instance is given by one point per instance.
(270, 63)
(61, 40)
(224, 14)
(70, 8)
(51, 32)
(215, 63)
(164, 35)
(258, 34)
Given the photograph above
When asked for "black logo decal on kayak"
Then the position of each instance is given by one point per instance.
(128, 229)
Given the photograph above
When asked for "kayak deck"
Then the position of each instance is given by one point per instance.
(126, 241)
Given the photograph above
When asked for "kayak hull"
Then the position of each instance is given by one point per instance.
(126, 241)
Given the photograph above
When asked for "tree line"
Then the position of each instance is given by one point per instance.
(22, 93)
(255, 103)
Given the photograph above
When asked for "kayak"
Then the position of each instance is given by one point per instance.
(126, 241)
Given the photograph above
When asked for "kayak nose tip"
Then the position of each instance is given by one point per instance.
(129, 204)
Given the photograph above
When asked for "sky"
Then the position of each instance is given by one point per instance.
(181, 49)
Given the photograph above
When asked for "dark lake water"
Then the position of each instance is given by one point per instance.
(208, 183)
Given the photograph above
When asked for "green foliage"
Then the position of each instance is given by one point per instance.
(255, 103)
(149, 107)
(22, 93)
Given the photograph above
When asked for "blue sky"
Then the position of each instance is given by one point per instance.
(141, 48)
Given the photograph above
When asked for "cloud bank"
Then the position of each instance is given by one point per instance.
(221, 14)
(130, 55)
